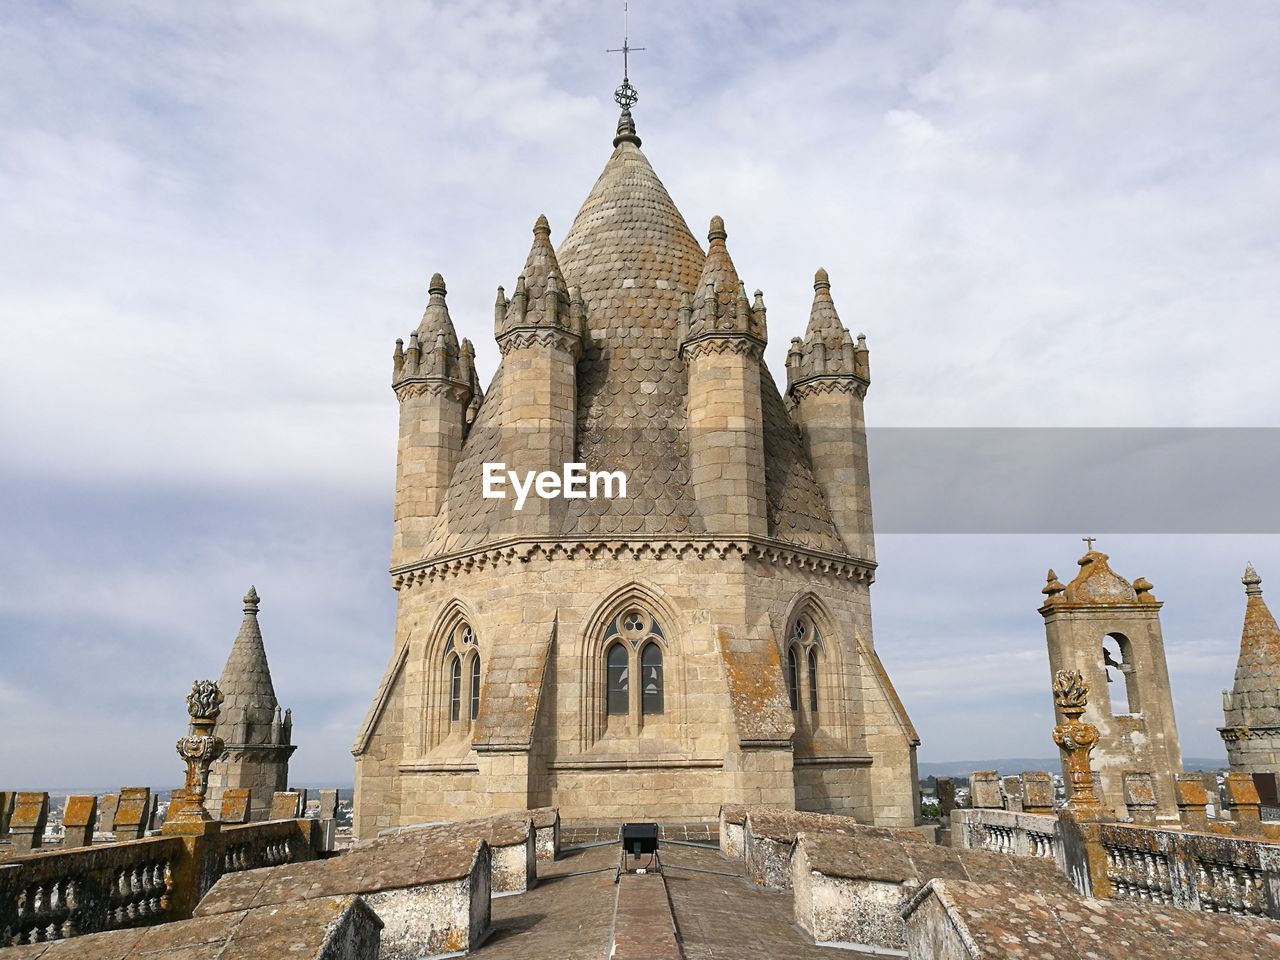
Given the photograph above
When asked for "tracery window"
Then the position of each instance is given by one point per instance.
(804, 650)
(462, 662)
(635, 646)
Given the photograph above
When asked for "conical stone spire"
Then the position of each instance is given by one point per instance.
(256, 734)
(541, 297)
(1251, 709)
(720, 304)
(246, 678)
(827, 348)
(1258, 667)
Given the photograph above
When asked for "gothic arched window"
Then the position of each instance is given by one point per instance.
(455, 689)
(651, 679)
(804, 651)
(793, 688)
(619, 687)
(813, 680)
(462, 666)
(635, 647)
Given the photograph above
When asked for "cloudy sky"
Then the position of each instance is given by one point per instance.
(215, 219)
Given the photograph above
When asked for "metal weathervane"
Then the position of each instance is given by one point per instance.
(625, 95)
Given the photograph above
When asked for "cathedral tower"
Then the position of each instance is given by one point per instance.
(1109, 630)
(1251, 710)
(704, 638)
(257, 735)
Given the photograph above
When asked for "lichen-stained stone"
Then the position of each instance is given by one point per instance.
(849, 888)
(327, 928)
(512, 842)
(546, 826)
(26, 825)
(78, 821)
(430, 887)
(733, 822)
(1108, 630)
(236, 805)
(724, 546)
(770, 835)
(967, 920)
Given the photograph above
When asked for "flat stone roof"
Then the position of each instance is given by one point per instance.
(782, 825)
(569, 915)
(863, 857)
(409, 859)
(1007, 920)
(298, 930)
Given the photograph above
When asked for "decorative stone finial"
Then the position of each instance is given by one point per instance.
(437, 284)
(716, 231)
(251, 598)
(1252, 582)
(1052, 585)
(821, 281)
(1075, 739)
(1143, 587)
(541, 226)
(199, 749)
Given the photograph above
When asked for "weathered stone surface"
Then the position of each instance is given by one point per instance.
(770, 835)
(6, 810)
(746, 515)
(431, 887)
(643, 925)
(328, 928)
(26, 825)
(78, 821)
(849, 888)
(1011, 793)
(733, 822)
(236, 805)
(1140, 796)
(257, 733)
(1037, 791)
(1251, 710)
(546, 825)
(107, 806)
(984, 789)
(284, 805)
(1101, 606)
(512, 844)
(133, 813)
(328, 805)
(965, 920)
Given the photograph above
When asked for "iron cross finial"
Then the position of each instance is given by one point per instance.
(625, 95)
(1090, 541)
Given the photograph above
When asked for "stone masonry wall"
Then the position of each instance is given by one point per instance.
(680, 764)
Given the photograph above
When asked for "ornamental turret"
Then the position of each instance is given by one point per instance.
(1251, 709)
(722, 340)
(256, 734)
(539, 333)
(828, 374)
(435, 380)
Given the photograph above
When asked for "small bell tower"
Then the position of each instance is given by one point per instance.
(1108, 630)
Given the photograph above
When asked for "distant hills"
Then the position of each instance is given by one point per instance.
(1011, 765)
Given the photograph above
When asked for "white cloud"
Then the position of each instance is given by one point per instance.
(218, 218)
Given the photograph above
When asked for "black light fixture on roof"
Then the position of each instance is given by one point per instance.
(639, 840)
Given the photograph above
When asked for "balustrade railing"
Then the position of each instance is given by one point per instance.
(60, 894)
(55, 895)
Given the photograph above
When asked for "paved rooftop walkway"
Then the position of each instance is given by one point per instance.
(719, 915)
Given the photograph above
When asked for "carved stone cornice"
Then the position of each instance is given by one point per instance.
(753, 549)
(829, 383)
(711, 343)
(1236, 734)
(457, 390)
(520, 338)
